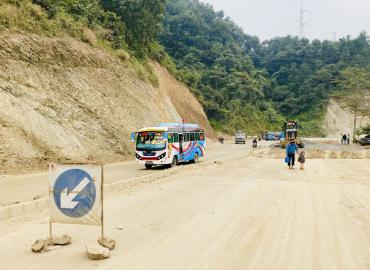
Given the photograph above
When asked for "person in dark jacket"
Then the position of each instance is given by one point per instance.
(254, 143)
(291, 149)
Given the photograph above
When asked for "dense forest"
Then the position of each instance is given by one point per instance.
(242, 82)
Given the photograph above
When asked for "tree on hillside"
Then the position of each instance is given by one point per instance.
(355, 85)
(212, 55)
(143, 21)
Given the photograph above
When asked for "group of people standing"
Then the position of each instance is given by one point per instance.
(345, 138)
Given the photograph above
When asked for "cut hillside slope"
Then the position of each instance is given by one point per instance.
(339, 119)
(61, 99)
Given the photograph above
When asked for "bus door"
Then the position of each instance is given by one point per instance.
(181, 140)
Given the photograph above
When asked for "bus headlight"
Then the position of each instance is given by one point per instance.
(138, 157)
(161, 156)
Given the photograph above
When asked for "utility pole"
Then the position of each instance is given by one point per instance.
(301, 21)
(335, 36)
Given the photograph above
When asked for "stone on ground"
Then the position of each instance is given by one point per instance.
(97, 252)
(39, 245)
(61, 241)
(107, 243)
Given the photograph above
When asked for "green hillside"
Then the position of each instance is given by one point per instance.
(242, 82)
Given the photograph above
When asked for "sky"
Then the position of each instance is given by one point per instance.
(270, 18)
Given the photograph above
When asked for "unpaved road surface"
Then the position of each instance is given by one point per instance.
(23, 188)
(241, 213)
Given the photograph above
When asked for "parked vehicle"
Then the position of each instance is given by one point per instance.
(264, 136)
(273, 136)
(364, 140)
(240, 137)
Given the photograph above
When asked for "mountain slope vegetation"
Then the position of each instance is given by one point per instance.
(245, 83)
(68, 97)
(242, 82)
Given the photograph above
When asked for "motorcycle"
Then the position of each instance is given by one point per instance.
(254, 143)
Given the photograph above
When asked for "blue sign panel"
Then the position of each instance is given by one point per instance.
(74, 193)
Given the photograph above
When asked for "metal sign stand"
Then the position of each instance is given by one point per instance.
(50, 223)
(102, 201)
(101, 196)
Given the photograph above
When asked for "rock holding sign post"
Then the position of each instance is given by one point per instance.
(97, 252)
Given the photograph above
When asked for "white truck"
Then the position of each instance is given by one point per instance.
(240, 137)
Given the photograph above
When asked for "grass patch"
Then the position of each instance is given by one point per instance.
(23, 15)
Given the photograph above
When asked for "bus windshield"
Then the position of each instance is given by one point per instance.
(150, 141)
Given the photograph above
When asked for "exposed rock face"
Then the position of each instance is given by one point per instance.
(62, 100)
(340, 119)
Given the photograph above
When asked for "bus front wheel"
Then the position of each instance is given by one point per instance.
(174, 162)
(148, 166)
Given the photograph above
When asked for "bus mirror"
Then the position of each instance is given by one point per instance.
(132, 138)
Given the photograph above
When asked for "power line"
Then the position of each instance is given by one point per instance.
(299, 58)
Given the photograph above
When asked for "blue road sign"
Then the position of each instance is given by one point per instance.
(74, 193)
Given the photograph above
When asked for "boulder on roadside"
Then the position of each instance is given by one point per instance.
(107, 243)
(62, 240)
(38, 246)
(97, 252)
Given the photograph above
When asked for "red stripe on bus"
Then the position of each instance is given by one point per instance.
(144, 158)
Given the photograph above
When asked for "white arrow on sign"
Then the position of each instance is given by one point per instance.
(66, 200)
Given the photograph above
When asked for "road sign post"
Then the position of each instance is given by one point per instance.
(76, 195)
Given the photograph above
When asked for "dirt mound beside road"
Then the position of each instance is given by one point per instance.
(61, 99)
(315, 150)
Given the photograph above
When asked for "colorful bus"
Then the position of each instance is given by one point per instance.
(170, 144)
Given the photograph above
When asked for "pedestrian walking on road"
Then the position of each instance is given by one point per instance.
(302, 159)
(291, 149)
(344, 139)
(348, 139)
(341, 138)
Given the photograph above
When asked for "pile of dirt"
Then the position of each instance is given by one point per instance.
(62, 99)
(317, 151)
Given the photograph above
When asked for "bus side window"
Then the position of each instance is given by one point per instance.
(202, 136)
(170, 138)
(197, 136)
(176, 138)
(192, 137)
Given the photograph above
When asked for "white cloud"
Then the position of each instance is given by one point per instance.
(269, 18)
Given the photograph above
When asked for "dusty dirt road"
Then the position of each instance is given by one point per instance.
(243, 213)
(23, 188)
